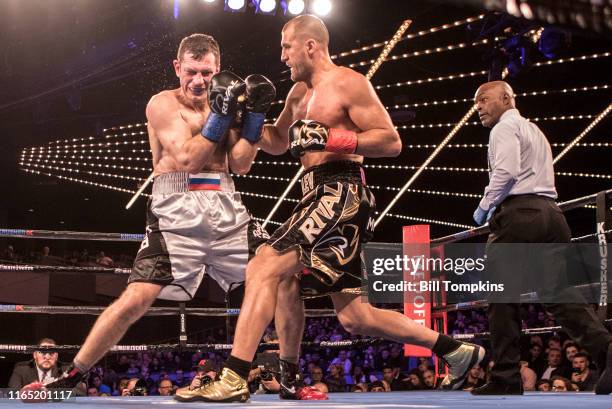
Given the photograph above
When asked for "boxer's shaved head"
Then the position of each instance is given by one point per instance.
(308, 26)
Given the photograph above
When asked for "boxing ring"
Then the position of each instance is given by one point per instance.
(79, 158)
(411, 399)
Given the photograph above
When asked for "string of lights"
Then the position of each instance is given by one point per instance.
(103, 144)
(262, 196)
(429, 221)
(91, 164)
(427, 192)
(275, 178)
(473, 74)
(122, 127)
(81, 151)
(428, 51)
(82, 157)
(425, 164)
(388, 47)
(521, 94)
(594, 123)
(259, 219)
(477, 73)
(82, 181)
(477, 123)
(421, 33)
(81, 171)
(484, 145)
(123, 134)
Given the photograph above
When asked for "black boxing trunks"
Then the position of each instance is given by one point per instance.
(328, 227)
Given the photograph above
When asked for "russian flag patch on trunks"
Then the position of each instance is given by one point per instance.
(205, 181)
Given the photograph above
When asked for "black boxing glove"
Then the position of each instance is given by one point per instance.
(308, 135)
(223, 91)
(260, 93)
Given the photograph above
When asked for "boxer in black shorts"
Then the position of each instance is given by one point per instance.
(334, 193)
(331, 120)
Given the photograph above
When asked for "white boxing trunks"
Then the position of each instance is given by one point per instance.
(196, 225)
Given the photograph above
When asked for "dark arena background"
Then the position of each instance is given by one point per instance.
(76, 76)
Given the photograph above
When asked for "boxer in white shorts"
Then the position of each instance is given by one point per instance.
(196, 222)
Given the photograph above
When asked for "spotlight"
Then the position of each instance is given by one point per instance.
(321, 7)
(265, 6)
(235, 5)
(209, 1)
(295, 6)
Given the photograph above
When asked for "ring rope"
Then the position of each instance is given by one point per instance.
(153, 311)
(28, 349)
(564, 206)
(526, 331)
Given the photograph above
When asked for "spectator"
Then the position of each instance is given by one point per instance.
(543, 385)
(561, 384)
(429, 379)
(554, 364)
(316, 376)
(104, 260)
(397, 359)
(414, 380)
(536, 359)
(554, 342)
(9, 254)
(377, 386)
(122, 366)
(135, 387)
(359, 387)
(92, 391)
(475, 378)
(165, 387)
(205, 372)
(382, 360)
(180, 380)
(569, 350)
(582, 375)
(335, 381)
(392, 381)
(43, 367)
(346, 364)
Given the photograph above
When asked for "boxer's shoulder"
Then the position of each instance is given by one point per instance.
(297, 92)
(162, 103)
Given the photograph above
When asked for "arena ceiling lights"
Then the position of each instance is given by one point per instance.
(270, 7)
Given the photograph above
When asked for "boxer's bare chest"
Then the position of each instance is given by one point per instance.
(323, 104)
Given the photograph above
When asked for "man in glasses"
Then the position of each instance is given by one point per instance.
(42, 368)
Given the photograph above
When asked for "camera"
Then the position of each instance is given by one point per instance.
(140, 389)
(205, 379)
(266, 375)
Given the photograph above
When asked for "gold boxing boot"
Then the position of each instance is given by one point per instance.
(229, 388)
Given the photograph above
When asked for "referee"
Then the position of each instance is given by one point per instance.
(519, 204)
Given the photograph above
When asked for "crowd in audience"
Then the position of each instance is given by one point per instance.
(80, 258)
(549, 363)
